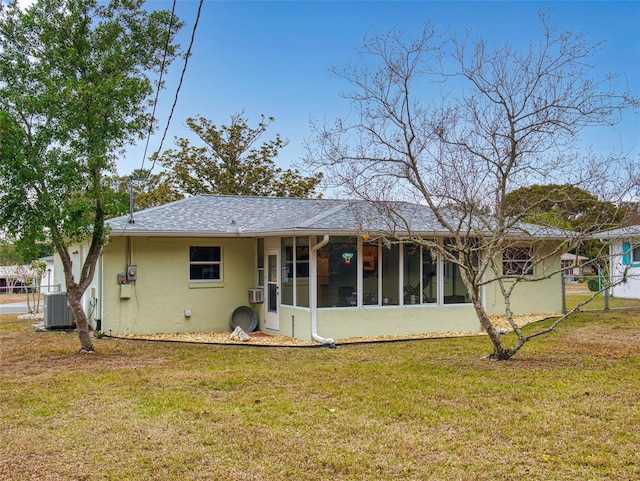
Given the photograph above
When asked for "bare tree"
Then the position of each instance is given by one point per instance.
(33, 274)
(12, 279)
(501, 119)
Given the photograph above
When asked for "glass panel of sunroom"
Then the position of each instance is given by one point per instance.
(260, 262)
(429, 277)
(455, 291)
(286, 282)
(370, 273)
(337, 272)
(411, 281)
(391, 274)
(302, 271)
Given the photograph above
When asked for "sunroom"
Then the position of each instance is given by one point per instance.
(337, 286)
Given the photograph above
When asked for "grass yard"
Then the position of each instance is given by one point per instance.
(597, 302)
(566, 408)
(9, 297)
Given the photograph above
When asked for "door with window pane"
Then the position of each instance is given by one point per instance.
(272, 302)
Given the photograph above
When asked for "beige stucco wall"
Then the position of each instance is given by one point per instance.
(345, 322)
(162, 291)
(341, 323)
(294, 322)
(539, 296)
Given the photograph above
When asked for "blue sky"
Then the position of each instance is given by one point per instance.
(273, 58)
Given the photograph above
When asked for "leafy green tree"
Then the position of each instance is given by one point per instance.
(566, 206)
(160, 192)
(75, 81)
(563, 205)
(149, 190)
(9, 256)
(230, 162)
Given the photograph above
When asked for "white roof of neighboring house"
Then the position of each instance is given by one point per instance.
(225, 215)
(16, 271)
(572, 257)
(628, 232)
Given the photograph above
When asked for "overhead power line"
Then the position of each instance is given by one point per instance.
(155, 102)
(162, 69)
(175, 99)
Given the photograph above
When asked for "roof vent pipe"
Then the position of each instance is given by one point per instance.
(314, 290)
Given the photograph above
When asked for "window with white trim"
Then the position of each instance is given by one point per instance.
(517, 261)
(205, 263)
(635, 253)
(260, 262)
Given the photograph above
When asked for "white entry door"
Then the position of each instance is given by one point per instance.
(272, 302)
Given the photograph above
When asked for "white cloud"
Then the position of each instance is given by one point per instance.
(23, 4)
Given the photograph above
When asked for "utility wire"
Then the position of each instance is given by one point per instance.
(162, 69)
(175, 100)
(155, 103)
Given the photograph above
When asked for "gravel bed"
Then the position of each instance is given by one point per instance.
(266, 340)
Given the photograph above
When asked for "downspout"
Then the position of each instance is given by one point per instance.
(313, 286)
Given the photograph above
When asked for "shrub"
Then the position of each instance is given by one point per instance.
(593, 285)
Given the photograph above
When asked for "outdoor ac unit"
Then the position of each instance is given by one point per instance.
(57, 313)
(256, 295)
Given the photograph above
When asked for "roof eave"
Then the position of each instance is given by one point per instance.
(132, 232)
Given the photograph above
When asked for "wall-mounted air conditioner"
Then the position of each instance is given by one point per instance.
(57, 313)
(256, 295)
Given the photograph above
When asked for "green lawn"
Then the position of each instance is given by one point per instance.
(566, 408)
(598, 302)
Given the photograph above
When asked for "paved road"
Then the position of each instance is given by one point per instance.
(14, 308)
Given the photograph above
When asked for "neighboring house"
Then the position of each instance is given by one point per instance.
(49, 275)
(15, 279)
(309, 268)
(22, 277)
(624, 258)
(574, 267)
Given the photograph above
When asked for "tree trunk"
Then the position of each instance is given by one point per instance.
(500, 353)
(76, 290)
(82, 325)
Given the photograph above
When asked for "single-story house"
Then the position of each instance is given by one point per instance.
(307, 268)
(16, 279)
(624, 260)
(19, 278)
(46, 285)
(10, 280)
(575, 266)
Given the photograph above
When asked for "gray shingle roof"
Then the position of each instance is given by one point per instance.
(221, 214)
(227, 215)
